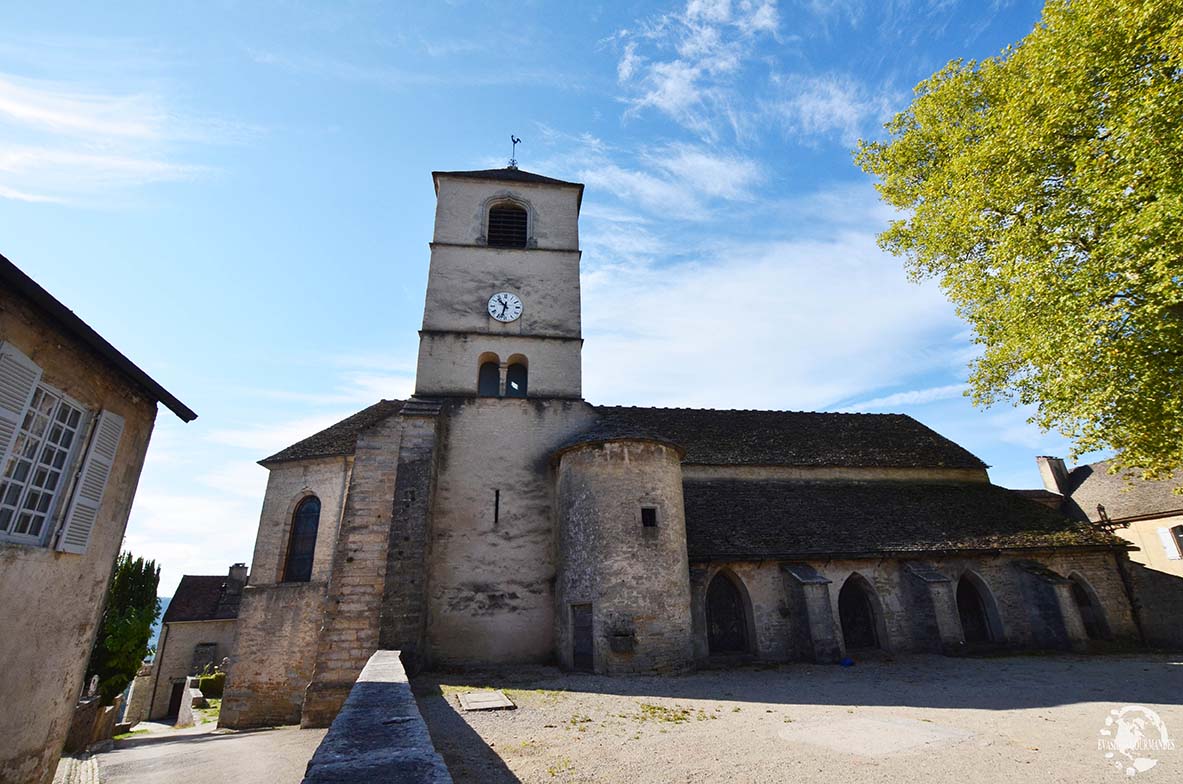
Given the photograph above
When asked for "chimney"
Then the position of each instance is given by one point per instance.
(1054, 474)
(238, 572)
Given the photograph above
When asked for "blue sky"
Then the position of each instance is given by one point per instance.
(238, 196)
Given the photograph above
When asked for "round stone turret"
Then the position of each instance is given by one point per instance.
(623, 585)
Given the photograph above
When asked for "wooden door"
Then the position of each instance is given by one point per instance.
(174, 700)
(583, 657)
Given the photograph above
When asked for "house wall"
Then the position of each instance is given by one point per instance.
(174, 655)
(50, 601)
(1158, 580)
(274, 654)
(1151, 553)
(1028, 613)
(491, 580)
(287, 485)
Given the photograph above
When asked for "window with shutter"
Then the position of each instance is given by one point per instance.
(18, 378)
(92, 483)
(1170, 545)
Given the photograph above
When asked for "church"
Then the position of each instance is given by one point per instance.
(496, 517)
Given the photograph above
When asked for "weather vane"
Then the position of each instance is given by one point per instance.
(513, 154)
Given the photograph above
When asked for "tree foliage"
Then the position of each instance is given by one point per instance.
(126, 625)
(1043, 190)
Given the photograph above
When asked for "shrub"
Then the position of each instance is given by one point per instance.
(212, 685)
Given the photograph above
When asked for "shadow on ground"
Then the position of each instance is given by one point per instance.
(998, 683)
(465, 753)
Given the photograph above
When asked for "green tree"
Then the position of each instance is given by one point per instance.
(126, 625)
(1043, 190)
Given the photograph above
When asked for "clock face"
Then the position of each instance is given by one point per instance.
(505, 306)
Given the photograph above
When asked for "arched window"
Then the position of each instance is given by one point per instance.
(302, 544)
(507, 226)
(489, 380)
(515, 380)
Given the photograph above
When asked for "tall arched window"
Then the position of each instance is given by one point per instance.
(302, 544)
(507, 226)
(489, 380)
(515, 380)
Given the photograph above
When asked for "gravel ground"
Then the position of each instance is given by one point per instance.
(1029, 719)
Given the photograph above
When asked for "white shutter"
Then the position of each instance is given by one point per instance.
(18, 380)
(1168, 544)
(92, 482)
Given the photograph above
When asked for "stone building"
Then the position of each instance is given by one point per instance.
(197, 631)
(496, 516)
(1148, 515)
(75, 419)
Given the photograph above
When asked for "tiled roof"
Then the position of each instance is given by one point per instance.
(202, 597)
(506, 175)
(797, 438)
(735, 519)
(1089, 485)
(338, 439)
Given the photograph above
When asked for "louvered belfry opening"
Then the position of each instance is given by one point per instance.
(507, 226)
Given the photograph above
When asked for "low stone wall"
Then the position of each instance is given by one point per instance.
(379, 735)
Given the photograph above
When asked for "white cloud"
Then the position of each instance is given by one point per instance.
(789, 324)
(911, 397)
(693, 62)
(831, 106)
(70, 142)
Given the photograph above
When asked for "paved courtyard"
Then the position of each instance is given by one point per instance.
(204, 756)
(1030, 719)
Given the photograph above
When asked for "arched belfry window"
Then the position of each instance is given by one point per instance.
(507, 226)
(489, 380)
(302, 543)
(516, 377)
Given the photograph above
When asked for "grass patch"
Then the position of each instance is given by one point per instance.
(662, 714)
(208, 713)
(126, 735)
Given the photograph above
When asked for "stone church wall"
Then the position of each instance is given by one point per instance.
(635, 578)
(449, 363)
(287, 485)
(1026, 607)
(274, 654)
(491, 594)
(461, 206)
(349, 628)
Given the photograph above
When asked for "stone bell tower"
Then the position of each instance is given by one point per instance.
(502, 312)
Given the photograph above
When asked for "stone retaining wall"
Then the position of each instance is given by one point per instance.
(379, 734)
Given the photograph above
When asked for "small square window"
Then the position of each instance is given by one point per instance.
(649, 517)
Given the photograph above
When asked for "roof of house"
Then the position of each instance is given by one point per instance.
(338, 439)
(18, 281)
(1045, 497)
(1122, 495)
(798, 438)
(204, 597)
(775, 519)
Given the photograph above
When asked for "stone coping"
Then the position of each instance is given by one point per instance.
(379, 735)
